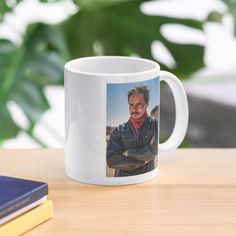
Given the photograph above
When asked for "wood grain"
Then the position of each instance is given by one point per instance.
(194, 194)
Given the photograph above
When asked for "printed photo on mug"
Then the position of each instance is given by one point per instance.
(132, 128)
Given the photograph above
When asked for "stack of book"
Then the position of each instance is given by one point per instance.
(23, 205)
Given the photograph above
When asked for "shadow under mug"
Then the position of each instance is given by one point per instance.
(112, 119)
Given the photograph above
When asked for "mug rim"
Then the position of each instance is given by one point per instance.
(155, 66)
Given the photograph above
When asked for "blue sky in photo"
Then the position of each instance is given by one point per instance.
(117, 100)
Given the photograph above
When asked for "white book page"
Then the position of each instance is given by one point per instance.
(22, 210)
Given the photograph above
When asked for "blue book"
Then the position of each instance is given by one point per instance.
(18, 193)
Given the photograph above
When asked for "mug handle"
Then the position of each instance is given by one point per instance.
(181, 111)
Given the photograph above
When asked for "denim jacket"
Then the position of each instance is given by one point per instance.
(141, 145)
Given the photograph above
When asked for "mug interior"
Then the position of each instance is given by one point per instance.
(111, 65)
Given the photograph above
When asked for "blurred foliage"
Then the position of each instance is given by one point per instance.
(232, 10)
(122, 29)
(215, 16)
(25, 70)
(7, 6)
(185, 144)
(102, 27)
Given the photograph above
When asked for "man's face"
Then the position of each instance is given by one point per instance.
(137, 106)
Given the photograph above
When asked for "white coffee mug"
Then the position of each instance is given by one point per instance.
(112, 119)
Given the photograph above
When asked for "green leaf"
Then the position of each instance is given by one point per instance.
(122, 29)
(232, 10)
(26, 70)
(189, 58)
(31, 99)
(49, 1)
(8, 128)
(4, 8)
(7, 6)
(215, 16)
(101, 27)
(91, 5)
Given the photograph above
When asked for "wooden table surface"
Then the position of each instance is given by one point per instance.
(194, 194)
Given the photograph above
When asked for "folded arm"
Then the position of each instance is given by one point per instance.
(145, 153)
(115, 157)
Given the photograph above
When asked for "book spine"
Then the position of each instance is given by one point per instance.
(29, 220)
(25, 200)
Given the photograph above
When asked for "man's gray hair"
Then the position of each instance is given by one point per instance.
(143, 89)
